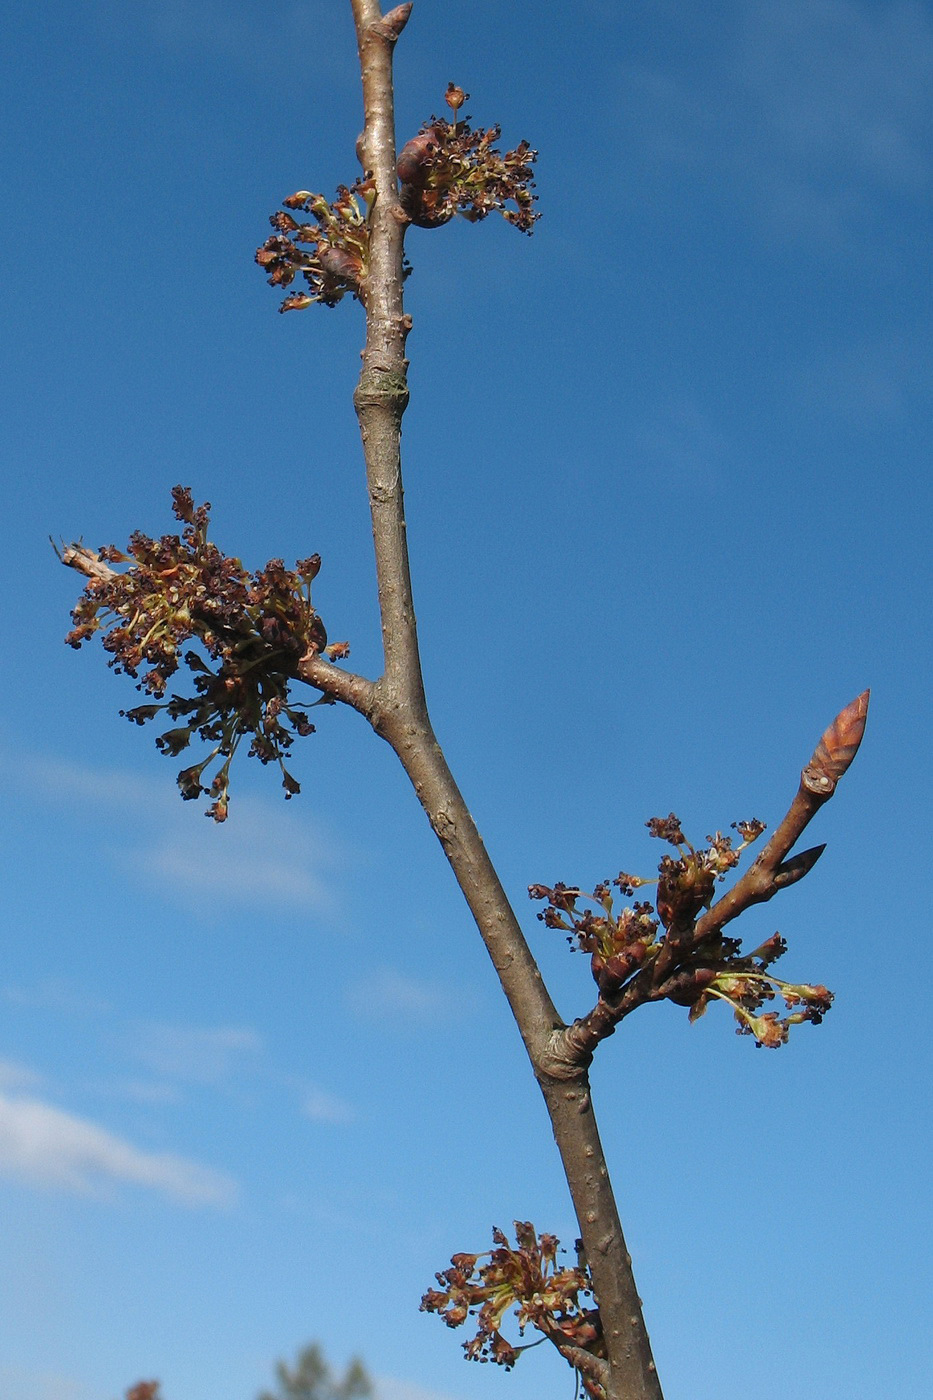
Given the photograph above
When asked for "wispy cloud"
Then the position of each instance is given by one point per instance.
(15, 1075)
(683, 447)
(325, 1108)
(387, 994)
(844, 82)
(261, 855)
(42, 1145)
(256, 38)
(864, 379)
(17, 1383)
(142, 1091)
(267, 854)
(812, 112)
(194, 1054)
(56, 996)
(390, 1388)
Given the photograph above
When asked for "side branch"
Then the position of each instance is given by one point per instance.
(313, 668)
(687, 961)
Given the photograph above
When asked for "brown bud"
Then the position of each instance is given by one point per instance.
(392, 24)
(414, 159)
(339, 262)
(296, 301)
(455, 96)
(790, 871)
(837, 748)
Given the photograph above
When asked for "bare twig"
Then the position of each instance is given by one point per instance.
(86, 561)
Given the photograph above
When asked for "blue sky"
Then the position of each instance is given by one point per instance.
(668, 498)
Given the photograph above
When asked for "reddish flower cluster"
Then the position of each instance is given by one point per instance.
(685, 885)
(526, 1279)
(626, 951)
(331, 253)
(255, 628)
(449, 169)
(446, 169)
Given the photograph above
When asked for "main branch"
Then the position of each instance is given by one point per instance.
(400, 715)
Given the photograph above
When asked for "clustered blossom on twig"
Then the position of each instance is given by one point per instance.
(626, 946)
(449, 169)
(254, 627)
(527, 1279)
(330, 253)
(446, 169)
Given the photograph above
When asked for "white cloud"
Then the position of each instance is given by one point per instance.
(139, 1091)
(683, 447)
(844, 82)
(194, 1054)
(45, 1146)
(325, 1108)
(864, 379)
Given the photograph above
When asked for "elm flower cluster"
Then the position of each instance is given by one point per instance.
(330, 251)
(449, 169)
(251, 631)
(643, 952)
(525, 1279)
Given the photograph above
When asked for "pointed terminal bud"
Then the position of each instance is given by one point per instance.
(455, 97)
(837, 748)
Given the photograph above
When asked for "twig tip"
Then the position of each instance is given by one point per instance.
(838, 746)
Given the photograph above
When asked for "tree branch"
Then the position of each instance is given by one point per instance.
(401, 717)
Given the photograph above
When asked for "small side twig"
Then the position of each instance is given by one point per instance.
(771, 871)
(674, 971)
(594, 1368)
(333, 681)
